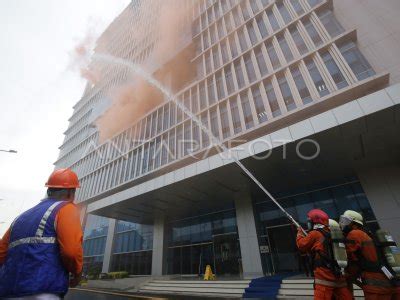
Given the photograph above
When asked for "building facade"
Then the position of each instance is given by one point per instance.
(304, 92)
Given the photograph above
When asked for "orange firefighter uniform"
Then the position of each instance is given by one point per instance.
(363, 260)
(326, 284)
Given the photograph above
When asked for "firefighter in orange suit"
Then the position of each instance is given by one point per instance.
(363, 258)
(329, 281)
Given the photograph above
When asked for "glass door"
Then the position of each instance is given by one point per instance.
(227, 254)
(284, 253)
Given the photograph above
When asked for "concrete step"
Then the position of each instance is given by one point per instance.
(224, 288)
(202, 281)
(309, 292)
(310, 281)
(192, 289)
(198, 285)
(304, 286)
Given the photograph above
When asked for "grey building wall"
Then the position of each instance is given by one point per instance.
(382, 187)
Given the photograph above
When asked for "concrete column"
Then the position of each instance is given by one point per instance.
(250, 250)
(158, 246)
(382, 187)
(109, 246)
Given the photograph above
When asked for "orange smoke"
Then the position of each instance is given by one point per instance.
(130, 103)
(133, 99)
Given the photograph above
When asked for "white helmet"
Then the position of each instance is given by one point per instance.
(350, 216)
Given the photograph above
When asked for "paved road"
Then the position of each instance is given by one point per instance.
(74, 294)
(83, 295)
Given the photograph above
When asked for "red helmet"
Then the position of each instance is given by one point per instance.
(63, 179)
(318, 216)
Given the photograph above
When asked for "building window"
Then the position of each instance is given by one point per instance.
(211, 92)
(284, 12)
(245, 11)
(331, 24)
(317, 78)
(242, 39)
(285, 48)
(313, 33)
(214, 122)
(297, 7)
(237, 126)
(236, 17)
(301, 85)
(265, 2)
(220, 27)
(252, 33)
(286, 93)
(179, 141)
(204, 135)
(272, 100)
(251, 73)
(206, 43)
(166, 117)
(229, 80)
(262, 66)
(195, 104)
(259, 105)
(220, 85)
(261, 26)
(254, 7)
(272, 20)
(196, 137)
(232, 44)
(224, 120)
(246, 108)
(357, 62)
(216, 59)
(213, 35)
(273, 56)
(208, 62)
(203, 97)
(314, 2)
(334, 70)
(239, 74)
(298, 40)
(228, 23)
(224, 51)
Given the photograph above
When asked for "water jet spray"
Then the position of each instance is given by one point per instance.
(215, 141)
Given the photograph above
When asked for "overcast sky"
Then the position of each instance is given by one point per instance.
(38, 89)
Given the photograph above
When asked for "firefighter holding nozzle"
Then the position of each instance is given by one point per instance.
(329, 259)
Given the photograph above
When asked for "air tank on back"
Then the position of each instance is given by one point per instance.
(338, 246)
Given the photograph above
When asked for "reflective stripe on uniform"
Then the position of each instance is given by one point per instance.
(330, 283)
(377, 282)
(33, 240)
(45, 217)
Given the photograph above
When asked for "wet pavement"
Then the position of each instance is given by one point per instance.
(78, 294)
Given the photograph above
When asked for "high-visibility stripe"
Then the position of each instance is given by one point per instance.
(33, 240)
(43, 221)
(330, 283)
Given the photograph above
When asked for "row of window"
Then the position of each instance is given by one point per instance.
(95, 246)
(291, 42)
(261, 102)
(201, 229)
(244, 10)
(132, 237)
(136, 263)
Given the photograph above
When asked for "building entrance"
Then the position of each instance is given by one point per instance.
(227, 254)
